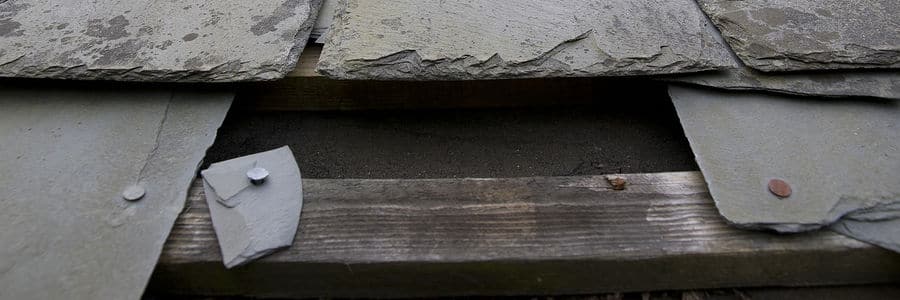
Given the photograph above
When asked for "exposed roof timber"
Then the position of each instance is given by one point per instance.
(512, 236)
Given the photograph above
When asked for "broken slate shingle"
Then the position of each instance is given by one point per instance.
(252, 221)
(838, 156)
(485, 39)
(69, 156)
(191, 40)
(793, 35)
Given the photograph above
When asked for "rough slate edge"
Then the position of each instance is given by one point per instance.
(875, 84)
(831, 217)
(845, 83)
(512, 236)
(178, 117)
(715, 60)
(301, 39)
(793, 64)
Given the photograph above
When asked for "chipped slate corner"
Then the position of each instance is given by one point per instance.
(536, 38)
(255, 203)
(101, 175)
(191, 40)
(839, 157)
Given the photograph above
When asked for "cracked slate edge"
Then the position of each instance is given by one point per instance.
(878, 225)
(68, 233)
(862, 83)
(265, 217)
(570, 57)
(800, 35)
(840, 156)
(116, 49)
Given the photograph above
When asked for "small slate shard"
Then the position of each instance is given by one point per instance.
(192, 40)
(488, 39)
(252, 221)
(839, 156)
(795, 35)
(67, 230)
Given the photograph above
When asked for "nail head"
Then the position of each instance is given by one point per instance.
(133, 193)
(257, 175)
(780, 188)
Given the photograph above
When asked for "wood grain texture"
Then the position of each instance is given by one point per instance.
(512, 236)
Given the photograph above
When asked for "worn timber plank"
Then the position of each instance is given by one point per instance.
(304, 89)
(512, 236)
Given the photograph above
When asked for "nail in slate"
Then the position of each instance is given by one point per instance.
(133, 193)
(257, 176)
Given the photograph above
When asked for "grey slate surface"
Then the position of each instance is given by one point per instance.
(67, 155)
(486, 39)
(791, 35)
(881, 84)
(191, 40)
(879, 226)
(843, 83)
(252, 221)
(839, 156)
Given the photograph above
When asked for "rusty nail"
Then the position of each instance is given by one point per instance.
(780, 188)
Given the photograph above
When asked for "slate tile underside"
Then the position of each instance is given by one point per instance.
(67, 155)
(793, 35)
(484, 39)
(191, 40)
(839, 156)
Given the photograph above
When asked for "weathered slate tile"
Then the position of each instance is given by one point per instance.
(70, 157)
(871, 83)
(779, 35)
(253, 220)
(484, 39)
(190, 40)
(838, 157)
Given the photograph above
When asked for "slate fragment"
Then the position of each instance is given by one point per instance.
(795, 35)
(840, 156)
(191, 40)
(67, 154)
(252, 221)
(487, 39)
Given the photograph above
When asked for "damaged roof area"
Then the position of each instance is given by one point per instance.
(792, 111)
